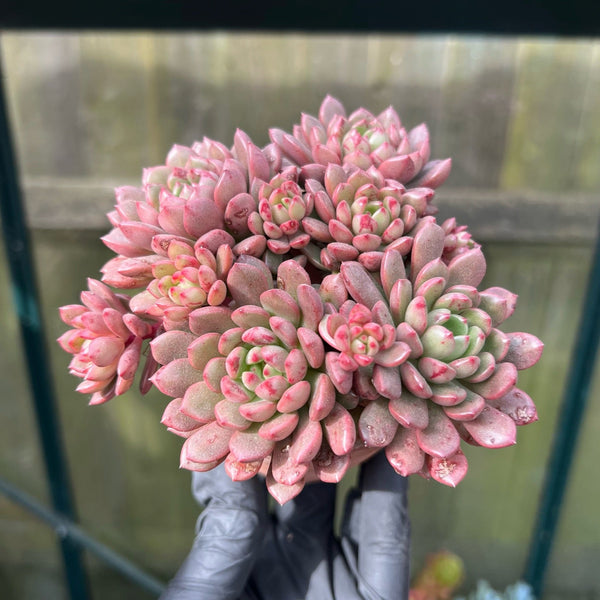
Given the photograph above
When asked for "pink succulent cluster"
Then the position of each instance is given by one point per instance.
(304, 309)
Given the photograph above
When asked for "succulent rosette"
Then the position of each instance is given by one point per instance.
(303, 307)
(362, 140)
(459, 378)
(106, 342)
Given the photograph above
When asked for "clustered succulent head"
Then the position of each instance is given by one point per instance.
(304, 309)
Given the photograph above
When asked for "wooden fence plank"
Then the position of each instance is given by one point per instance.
(552, 77)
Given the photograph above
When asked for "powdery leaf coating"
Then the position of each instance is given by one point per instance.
(303, 308)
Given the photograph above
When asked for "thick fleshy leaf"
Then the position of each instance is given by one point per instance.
(279, 427)
(497, 344)
(284, 470)
(330, 467)
(239, 471)
(433, 174)
(448, 394)
(436, 371)
(416, 314)
(201, 216)
(246, 283)
(248, 446)
(468, 409)
(524, 351)
(465, 366)
(174, 419)
(377, 427)
(306, 440)
(413, 381)
(409, 411)
(295, 397)
(199, 402)
(440, 437)
(271, 389)
(290, 275)
(487, 365)
(492, 429)
(322, 399)
(203, 349)
(104, 351)
(518, 406)
(210, 443)
(467, 268)
(393, 356)
(360, 284)
(405, 333)
(340, 377)
(311, 306)
(404, 454)
(257, 410)
(280, 303)
(171, 345)
(176, 377)
(450, 470)
(427, 246)
(129, 360)
(499, 384)
(499, 303)
(228, 415)
(386, 381)
(340, 430)
(209, 319)
(281, 492)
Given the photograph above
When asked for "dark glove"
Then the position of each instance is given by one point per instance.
(229, 536)
(293, 554)
(301, 558)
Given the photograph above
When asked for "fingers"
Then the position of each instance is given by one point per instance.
(296, 556)
(310, 512)
(229, 534)
(384, 532)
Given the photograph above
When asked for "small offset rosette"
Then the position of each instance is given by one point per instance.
(358, 214)
(106, 342)
(282, 206)
(185, 279)
(362, 140)
(459, 378)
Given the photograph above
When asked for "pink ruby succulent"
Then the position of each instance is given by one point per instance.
(304, 308)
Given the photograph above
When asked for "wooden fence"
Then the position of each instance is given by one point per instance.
(521, 120)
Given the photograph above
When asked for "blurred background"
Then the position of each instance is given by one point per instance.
(521, 119)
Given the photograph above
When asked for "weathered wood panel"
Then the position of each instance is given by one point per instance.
(511, 112)
(549, 122)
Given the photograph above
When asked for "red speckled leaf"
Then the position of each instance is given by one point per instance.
(340, 430)
(492, 429)
(518, 406)
(440, 437)
(248, 446)
(404, 454)
(208, 444)
(409, 410)
(377, 427)
(450, 470)
(524, 350)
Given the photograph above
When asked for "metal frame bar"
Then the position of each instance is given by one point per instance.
(66, 529)
(27, 306)
(510, 17)
(566, 434)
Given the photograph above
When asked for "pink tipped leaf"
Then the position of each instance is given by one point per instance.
(492, 429)
(404, 454)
